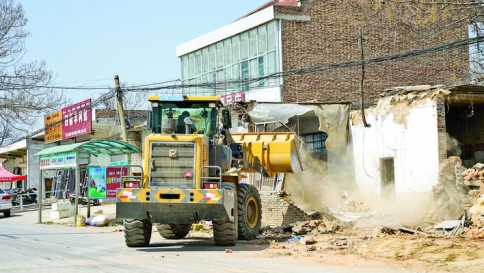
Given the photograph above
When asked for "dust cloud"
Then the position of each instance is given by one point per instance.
(322, 185)
(453, 146)
(319, 185)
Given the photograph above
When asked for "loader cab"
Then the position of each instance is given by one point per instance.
(185, 115)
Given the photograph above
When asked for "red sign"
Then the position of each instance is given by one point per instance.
(233, 97)
(113, 180)
(77, 119)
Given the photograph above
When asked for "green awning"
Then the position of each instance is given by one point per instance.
(94, 147)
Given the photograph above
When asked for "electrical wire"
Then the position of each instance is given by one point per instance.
(176, 85)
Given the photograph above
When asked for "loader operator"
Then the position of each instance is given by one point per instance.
(181, 126)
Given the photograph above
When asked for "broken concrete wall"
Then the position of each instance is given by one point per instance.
(403, 129)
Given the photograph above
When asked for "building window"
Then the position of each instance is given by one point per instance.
(232, 65)
(316, 144)
(476, 53)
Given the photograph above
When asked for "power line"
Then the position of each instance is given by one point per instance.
(332, 66)
(219, 85)
(175, 85)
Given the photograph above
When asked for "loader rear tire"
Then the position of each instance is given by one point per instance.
(225, 232)
(137, 232)
(249, 212)
(173, 231)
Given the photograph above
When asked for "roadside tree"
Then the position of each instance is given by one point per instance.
(25, 95)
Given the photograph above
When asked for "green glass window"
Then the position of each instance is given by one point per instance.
(236, 76)
(184, 65)
(244, 46)
(244, 69)
(235, 49)
(236, 71)
(262, 39)
(253, 43)
(205, 60)
(220, 76)
(191, 65)
(228, 73)
(220, 55)
(272, 66)
(243, 57)
(227, 52)
(211, 57)
(271, 36)
(254, 71)
(261, 70)
(198, 63)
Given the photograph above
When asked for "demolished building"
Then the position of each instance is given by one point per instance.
(397, 158)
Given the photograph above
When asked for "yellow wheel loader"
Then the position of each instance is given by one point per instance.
(192, 171)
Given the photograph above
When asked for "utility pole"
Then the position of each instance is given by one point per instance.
(362, 54)
(119, 96)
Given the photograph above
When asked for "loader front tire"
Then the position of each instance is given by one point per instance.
(249, 212)
(137, 232)
(225, 232)
(173, 231)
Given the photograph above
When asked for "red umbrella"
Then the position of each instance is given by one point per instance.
(6, 176)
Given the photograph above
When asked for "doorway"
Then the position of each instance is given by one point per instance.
(387, 171)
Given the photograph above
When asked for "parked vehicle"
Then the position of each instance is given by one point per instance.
(5, 203)
(82, 199)
(28, 196)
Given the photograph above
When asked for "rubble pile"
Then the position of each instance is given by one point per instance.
(458, 195)
(450, 195)
(476, 173)
(476, 229)
(316, 227)
(303, 228)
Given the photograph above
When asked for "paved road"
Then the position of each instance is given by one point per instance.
(29, 247)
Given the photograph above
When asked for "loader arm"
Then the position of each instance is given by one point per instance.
(270, 153)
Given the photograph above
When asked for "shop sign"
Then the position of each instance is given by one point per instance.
(58, 161)
(53, 127)
(232, 97)
(70, 122)
(77, 119)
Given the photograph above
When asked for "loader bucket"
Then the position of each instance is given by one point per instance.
(276, 151)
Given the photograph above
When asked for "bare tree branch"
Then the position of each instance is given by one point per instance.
(24, 92)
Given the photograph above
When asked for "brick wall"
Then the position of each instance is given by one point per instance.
(331, 37)
(278, 213)
(441, 129)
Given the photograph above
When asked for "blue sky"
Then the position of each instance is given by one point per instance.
(85, 43)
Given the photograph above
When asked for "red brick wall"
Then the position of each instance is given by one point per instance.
(331, 37)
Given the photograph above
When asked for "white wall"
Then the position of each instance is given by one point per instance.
(413, 146)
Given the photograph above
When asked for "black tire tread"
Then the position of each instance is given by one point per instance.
(225, 232)
(173, 231)
(244, 232)
(137, 232)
